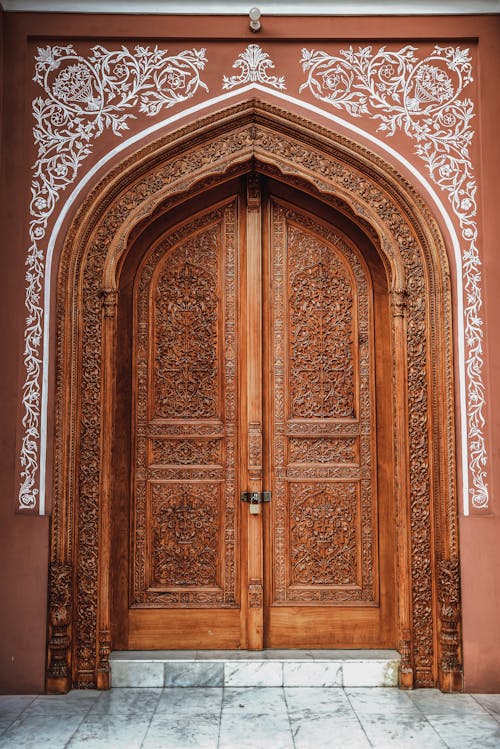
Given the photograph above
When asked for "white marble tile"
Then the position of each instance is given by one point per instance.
(490, 702)
(318, 701)
(323, 717)
(14, 703)
(253, 674)
(433, 702)
(367, 700)
(186, 717)
(132, 701)
(467, 732)
(111, 732)
(398, 729)
(329, 733)
(137, 674)
(189, 701)
(12, 707)
(370, 673)
(200, 731)
(254, 700)
(312, 674)
(40, 731)
(263, 732)
(63, 704)
(195, 674)
(5, 723)
(255, 718)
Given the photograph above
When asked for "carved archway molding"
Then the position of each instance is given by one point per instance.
(371, 192)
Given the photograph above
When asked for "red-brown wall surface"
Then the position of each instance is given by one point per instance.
(23, 535)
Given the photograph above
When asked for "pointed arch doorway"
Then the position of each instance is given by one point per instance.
(219, 334)
(258, 327)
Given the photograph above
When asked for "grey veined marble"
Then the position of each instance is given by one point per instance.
(251, 716)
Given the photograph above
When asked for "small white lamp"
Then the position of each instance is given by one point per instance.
(254, 16)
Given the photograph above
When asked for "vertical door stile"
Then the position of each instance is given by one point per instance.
(254, 408)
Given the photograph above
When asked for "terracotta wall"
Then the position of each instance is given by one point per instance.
(24, 534)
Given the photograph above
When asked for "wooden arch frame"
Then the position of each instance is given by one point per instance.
(367, 189)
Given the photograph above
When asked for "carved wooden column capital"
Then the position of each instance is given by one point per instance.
(399, 302)
(109, 299)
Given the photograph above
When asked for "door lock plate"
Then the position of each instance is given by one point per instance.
(255, 498)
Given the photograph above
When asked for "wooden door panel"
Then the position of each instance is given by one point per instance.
(254, 368)
(322, 539)
(185, 534)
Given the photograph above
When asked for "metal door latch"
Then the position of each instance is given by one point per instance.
(255, 499)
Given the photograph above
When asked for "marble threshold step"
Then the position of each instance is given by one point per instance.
(245, 668)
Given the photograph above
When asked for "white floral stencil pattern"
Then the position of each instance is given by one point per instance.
(254, 64)
(422, 98)
(83, 97)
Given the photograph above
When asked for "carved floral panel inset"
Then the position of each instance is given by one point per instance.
(185, 535)
(321, 377)
(186, 346)
(423, 98)
(324, 534)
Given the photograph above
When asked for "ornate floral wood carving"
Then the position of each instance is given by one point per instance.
(324, 533)
(185, 370)
(185, 451)
(185, 535)
(324, 450)
(321, 337)
(414, 253)
(186, 413)
(323, 379)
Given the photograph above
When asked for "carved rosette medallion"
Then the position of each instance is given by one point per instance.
(323, 378)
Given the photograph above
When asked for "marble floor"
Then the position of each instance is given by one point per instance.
(250, 718)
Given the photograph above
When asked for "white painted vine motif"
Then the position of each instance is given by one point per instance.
(254, 64)
(82, 98)
(422, 98)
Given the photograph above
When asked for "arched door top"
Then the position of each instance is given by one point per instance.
(356, 183)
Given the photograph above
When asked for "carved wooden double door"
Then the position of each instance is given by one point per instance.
(258, 345)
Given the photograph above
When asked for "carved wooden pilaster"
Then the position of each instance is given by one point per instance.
(59, 641)
(103, 669)
(405, 675)
(403, 504)
(451, 674)
(255, 451)
(109, 298)
(253, 311)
